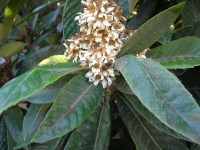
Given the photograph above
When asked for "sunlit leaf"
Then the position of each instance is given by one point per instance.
(10, 49)
(10, 14)
(33, 81)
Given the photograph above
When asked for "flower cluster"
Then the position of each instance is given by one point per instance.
(102, 35)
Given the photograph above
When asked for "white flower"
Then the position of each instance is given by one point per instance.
(104, 83)
(95, 70)
(88, 74)
(101, 37)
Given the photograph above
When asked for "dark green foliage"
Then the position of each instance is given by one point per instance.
(49, 104)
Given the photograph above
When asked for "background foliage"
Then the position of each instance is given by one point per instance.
(46, 102)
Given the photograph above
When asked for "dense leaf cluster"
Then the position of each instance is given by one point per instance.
(48, 104)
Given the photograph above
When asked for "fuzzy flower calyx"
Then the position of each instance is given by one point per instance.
(102, 35)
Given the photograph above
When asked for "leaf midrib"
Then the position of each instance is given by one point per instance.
(171, 57)
(80, 96)
(64, 114)
(164, 98)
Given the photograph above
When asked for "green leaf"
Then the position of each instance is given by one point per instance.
(179, 54)
(49, 93)
(144, 134)
(33, 60)
(93, 132)
(36, 11)
(30, 118)
(10, 49)
(166, 38)
(74, 104)
(151, 118)
(70, 27)
(10, 14)
(151, 31)
(31, 123)
(50, 145)
(2, 7)
(132, 4)
(63, 142)
(50, 18)
(191, 30)
(11, 143)
(21, 27)
(33, 81)
(122, 85)
(13, 119)
(191, 12)
(107, 142)
(162, 94)
(2, 32)
(3, 135)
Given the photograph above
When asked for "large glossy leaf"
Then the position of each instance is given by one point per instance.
(70, 27)
(162, 94)
(149, 32)
(191, 30)
(142, 110)
(3, 135)
(13, 119)
(191, 12)
(10, 14)
(49, 93)
(92, 133)
(144, 13)
(144, 134)
(33, 81)
(179, 54)
(10, 49)
(74, 104)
